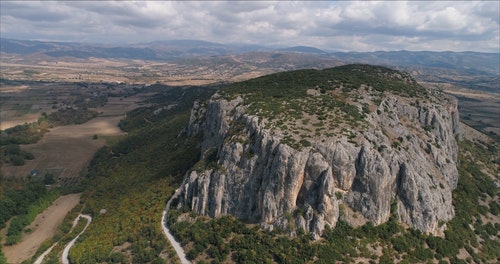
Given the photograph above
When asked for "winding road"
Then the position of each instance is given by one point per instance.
(65, 253)
(44, 254)
(65, 260)
(177, 246)
(168, 233)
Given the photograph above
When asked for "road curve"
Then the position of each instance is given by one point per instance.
(44, 254)
(65, 253)
(168, 233)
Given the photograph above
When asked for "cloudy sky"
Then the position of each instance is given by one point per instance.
(329, 25)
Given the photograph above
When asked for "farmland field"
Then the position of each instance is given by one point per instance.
(64, 151)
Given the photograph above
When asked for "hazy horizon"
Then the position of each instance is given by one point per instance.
(328, 25)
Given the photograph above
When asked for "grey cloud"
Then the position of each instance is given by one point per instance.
(122, 14)
(330, 25)
(34, 12)
(409, 20)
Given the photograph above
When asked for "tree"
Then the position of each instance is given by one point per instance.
(17, 160)
(49, 179)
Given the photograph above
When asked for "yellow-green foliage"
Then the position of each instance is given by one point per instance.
(132, 216)
(133, 180)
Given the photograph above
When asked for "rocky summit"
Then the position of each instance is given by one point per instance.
(303, 149)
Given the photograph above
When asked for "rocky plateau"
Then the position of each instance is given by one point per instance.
(296, 175)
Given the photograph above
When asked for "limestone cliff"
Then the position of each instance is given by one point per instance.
(305, 161)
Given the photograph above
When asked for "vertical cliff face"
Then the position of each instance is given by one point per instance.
(403, 152)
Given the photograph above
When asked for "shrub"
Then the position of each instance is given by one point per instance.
(17, 160)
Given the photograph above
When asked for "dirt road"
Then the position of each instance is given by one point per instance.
(177, 246)
(44, 227)
(65, 253)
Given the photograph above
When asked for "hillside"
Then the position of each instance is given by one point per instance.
(273, 126)
(302, 152)
(364, 131)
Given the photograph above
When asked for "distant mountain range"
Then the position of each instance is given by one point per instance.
(485, 63)
(157, 50)
(426, 65)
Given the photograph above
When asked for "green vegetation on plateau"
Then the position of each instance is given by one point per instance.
(293, 84)
(321, 103)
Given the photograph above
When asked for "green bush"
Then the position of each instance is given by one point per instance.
(117, 257)
(49, 179)
(17, 160)
(494, 208)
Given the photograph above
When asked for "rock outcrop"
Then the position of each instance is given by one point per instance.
(404, 154)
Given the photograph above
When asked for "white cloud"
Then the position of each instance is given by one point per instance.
(447, 19)
(364, 25)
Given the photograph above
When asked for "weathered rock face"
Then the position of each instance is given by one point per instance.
(405, 154)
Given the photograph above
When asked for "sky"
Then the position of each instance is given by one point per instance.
(328, 25)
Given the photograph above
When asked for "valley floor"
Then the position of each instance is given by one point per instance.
(44, 227)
